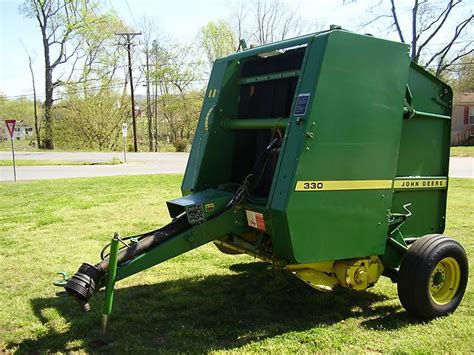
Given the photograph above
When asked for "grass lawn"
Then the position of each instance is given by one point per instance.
(20, 146)
(202, 301)
(23, 145)
(56, 162)
(462, 151)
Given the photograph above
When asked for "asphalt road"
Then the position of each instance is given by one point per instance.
(137, 164)
(98, 157)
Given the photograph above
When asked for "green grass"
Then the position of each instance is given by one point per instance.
(202, 301)
(24, 145)
(21, 145)
(462, 151)
(57, 162)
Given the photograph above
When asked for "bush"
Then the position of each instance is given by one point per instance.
(181, 145)
(166, 147)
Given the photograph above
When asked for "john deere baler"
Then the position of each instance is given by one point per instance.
(326, 155)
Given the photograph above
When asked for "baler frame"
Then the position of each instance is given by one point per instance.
(293, 219)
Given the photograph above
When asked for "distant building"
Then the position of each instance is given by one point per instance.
(22, 131)
(462, 125)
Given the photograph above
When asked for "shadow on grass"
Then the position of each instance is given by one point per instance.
(391, 321)
(203, 314)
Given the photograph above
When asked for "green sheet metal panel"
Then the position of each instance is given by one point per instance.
(357, 114)
(207, 164)
(353, 130)
(290, 149)
(424, 152)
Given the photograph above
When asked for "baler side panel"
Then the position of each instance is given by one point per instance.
(424, 152)
(209, 161)
(357, 113)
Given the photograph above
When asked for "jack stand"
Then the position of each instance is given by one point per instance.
(109, 294)
(61, 283)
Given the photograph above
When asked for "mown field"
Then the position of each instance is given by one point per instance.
(462, 151)
(202, 301)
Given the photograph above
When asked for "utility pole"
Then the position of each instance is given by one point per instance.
(128, 36)
(155, 93)
(148, 100)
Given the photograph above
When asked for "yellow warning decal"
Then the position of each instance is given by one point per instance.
(212, 93)
(209, 207)
(420, 183)
(334, 185)
(399, 183)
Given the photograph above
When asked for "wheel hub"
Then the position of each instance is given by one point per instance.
(438, 278)
(444, 281)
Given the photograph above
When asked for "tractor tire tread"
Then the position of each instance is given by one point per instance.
(416, 268)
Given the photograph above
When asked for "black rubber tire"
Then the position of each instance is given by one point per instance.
(415, 271)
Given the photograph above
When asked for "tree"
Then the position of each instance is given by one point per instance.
(267, 20)
(59, 21)
(35, 107)
(217, 40)
(462, 75)
(98, 57)
(94, 121)
(425, 26)
(20, 109)
(90, 111)
(175, 78)
(148, 33)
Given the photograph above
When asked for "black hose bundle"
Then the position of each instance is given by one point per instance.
(243, 190)
(84, 282)
(147, 242)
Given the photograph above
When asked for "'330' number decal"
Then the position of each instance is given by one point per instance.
(313, 185)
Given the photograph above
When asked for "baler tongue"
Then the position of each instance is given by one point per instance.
(85, 281)
(178, 235)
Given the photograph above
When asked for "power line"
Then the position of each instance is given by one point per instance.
(97, 88)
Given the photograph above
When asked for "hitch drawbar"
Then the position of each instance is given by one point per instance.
(88, 278)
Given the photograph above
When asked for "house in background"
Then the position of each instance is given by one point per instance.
(22, 131)
(462, 124)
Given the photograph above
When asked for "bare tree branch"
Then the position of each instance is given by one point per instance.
(414, 30)
(395, 20)
(463, 53)
(444, 51)
(443, 16)
(375, 19)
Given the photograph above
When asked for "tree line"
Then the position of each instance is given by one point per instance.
(86, 96)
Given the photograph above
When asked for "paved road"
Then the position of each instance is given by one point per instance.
(98, 157)
(138, 164)
(461, 167)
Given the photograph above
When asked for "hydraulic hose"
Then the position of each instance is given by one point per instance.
(84, 282)
(175, 227)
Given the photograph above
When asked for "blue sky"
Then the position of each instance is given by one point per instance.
(179, 19)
